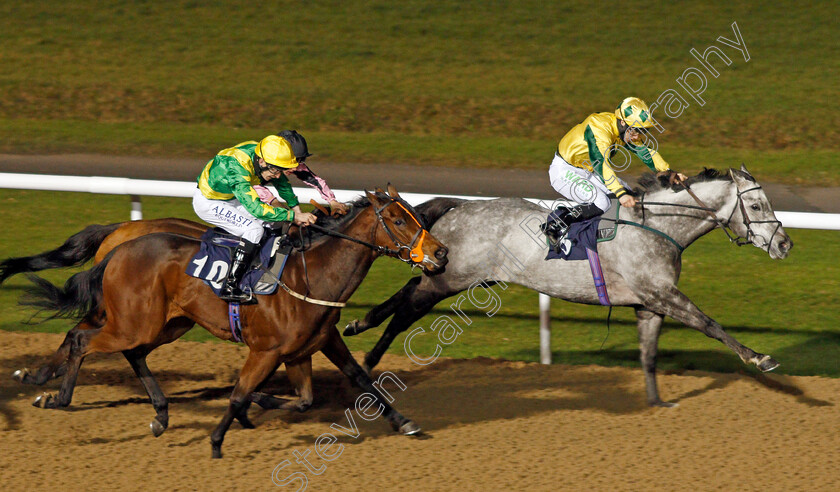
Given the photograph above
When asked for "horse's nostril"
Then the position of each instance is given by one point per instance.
(441, 253)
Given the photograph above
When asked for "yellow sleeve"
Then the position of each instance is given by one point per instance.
(660, 163)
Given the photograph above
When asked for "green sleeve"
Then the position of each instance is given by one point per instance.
(284, 189)
(643, 153)
(600, 164)
(240, 185)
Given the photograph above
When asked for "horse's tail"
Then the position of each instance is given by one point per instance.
(81, 296)
(78, 249)
(436, 208)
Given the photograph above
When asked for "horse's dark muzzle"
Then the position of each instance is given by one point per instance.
(441, 253)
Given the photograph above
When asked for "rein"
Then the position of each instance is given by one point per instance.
(727, 229)
(415, 253)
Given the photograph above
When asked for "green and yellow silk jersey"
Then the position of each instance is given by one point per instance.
(590, 145)
(232, 174)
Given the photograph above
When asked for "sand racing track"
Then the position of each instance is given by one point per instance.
(489, 425)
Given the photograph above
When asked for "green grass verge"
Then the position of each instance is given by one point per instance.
(153, 139)
(451, 82)
(784, 308)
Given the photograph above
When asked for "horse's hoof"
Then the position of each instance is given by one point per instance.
(246, 423)
(44, 400)
(157, 428)
(351, 328)
(409, 428)
(767, 364)
(663, 404)
(217, 452)
(20, 375)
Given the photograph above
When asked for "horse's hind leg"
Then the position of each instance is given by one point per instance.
(137, 359)
(77, 348)
(671, 302)
(300, 374)
(650, 325)
(55, 367)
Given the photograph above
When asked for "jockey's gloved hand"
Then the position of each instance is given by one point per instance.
(673, 177)
(337, 208)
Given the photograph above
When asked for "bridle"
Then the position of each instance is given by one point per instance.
(725, 226)
(414, 249)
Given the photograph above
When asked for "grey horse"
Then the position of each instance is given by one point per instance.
(498, 241)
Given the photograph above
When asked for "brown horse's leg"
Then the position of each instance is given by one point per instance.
(137, 359)
(79, 341)
(338, 353)
(671, 302)
(55, 367)
(300, 374)
(649, 325)
(258, 367)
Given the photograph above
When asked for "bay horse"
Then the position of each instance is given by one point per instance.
(498, 241)
(95, 242)
(139, 297)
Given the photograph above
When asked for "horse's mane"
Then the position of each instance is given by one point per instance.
(355, 208)
(649, 182)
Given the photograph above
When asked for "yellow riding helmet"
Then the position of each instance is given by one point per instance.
(276, 151)
(634, 112)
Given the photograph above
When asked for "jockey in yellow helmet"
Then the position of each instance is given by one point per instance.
(231, 195)
(582, 169)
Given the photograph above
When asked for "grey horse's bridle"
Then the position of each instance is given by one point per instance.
(725, 225)
(727, 228)
(740, 240)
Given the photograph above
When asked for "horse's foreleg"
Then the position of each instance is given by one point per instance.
(649, 325)
(671, 302)
(137, 359)
(412, 308)
(258, 367)
(380, 313)
(338, 353)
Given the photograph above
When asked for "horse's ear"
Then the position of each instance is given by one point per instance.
(378, 190)
(740, 177)
(371, 197)
(744, 170)
(393, 191)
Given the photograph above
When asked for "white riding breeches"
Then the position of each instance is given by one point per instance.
(578, 184)
(230, 215)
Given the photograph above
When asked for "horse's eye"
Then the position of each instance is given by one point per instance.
(399, 222)
(755, 206)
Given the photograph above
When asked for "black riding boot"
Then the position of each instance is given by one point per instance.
(564, 218)
(241, 260)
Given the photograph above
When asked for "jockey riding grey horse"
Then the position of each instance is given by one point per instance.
(491, 241)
